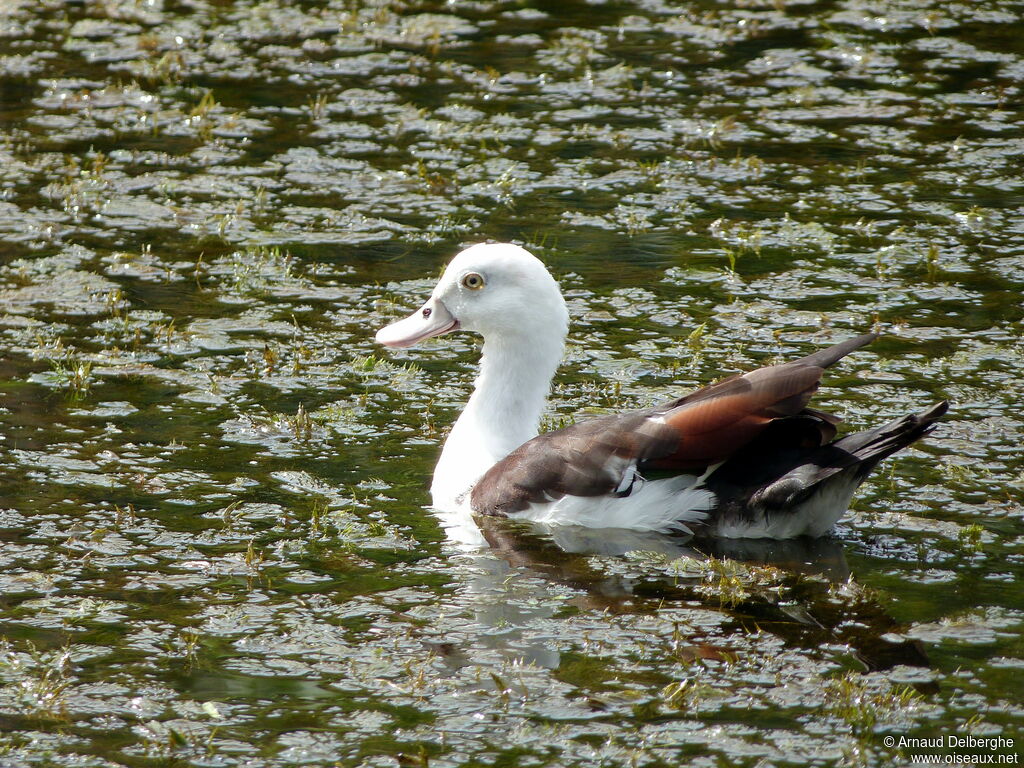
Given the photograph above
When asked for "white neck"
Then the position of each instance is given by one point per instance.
(515, 375)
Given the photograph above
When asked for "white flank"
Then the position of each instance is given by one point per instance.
(659, 505)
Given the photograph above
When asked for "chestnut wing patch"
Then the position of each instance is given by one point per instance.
(716, 421)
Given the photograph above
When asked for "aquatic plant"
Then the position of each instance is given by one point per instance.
(863, 702)
(74, 374)
(38, 680)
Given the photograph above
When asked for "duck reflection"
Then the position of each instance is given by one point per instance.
(799, 589)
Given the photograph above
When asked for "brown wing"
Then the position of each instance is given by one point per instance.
(713, 427)
(604, 455)
(586, 459)
(716, 421)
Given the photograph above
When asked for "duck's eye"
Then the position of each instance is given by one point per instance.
(473, 281)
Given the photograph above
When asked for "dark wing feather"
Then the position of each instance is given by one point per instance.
(596, 457)
(585, 459)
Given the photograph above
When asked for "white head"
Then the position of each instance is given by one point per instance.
(499, 290)
(504, 293)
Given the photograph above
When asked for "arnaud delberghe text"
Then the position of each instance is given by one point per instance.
(952, 741)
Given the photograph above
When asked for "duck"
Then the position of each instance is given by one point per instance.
(741, 458)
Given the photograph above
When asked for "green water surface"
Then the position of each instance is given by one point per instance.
(215, 547)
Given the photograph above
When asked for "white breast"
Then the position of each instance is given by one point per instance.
(659, 505)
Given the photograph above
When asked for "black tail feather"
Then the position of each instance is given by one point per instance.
(860, 452)
(873, 445)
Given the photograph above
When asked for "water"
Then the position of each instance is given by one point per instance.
(212, 483)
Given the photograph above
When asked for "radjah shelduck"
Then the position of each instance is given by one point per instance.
(744, 457)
